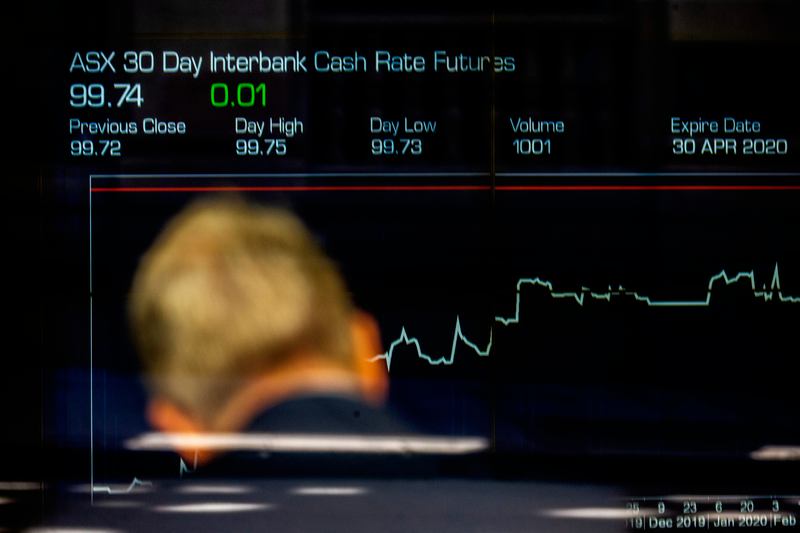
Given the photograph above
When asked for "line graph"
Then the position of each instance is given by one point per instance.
(108, 490)
(185, 469)
(458, 335)
(774, 293)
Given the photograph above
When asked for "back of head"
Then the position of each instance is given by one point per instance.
(230, 290)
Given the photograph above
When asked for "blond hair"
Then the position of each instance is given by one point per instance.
(229, 290)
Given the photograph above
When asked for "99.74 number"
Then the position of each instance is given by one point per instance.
(94, 95)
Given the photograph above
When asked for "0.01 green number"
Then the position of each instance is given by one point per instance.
(246, 95)
(82, 148)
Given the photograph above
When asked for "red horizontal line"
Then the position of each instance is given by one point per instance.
(647, 187)
(303, 188)
(459, 188)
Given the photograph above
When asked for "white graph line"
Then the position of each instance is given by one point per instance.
(185, 469)
(458, 335)
(767, 295)
(126, 490)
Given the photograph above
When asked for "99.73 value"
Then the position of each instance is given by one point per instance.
(402, 147)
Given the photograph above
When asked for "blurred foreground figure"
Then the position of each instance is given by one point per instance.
(244, 324)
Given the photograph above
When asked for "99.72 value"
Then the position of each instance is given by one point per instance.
(86, 148)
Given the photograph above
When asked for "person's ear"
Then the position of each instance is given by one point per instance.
(373, 376)
(167, 417)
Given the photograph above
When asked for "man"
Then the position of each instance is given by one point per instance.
(244, 324)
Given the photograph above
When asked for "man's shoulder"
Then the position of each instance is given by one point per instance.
(322, 436)
(328, 415)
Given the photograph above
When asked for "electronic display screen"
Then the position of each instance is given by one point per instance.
(574, 223)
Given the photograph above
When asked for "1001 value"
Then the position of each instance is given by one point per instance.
(532, 146)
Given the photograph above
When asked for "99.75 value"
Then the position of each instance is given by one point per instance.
(253, 147)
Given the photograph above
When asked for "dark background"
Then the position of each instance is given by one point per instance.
(606, 378)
